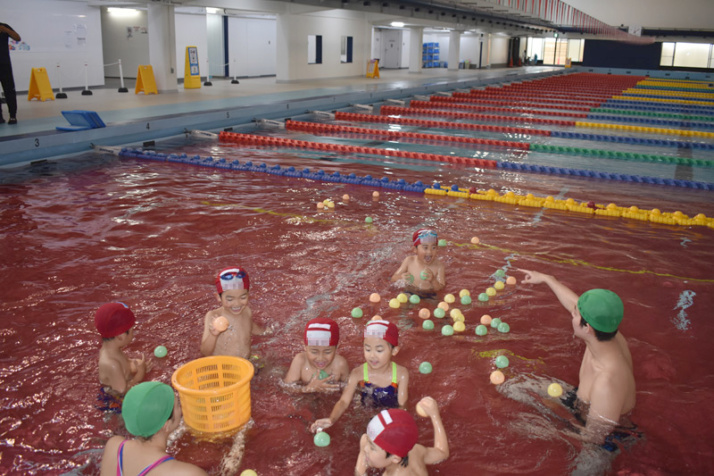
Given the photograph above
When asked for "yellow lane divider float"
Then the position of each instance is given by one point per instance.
(646, 130)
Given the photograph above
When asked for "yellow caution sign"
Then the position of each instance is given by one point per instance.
(40, 87)
(191, 72)
(145, 82)
(373, 68)
(568, 62)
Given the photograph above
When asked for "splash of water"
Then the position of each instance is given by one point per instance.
(686, 299)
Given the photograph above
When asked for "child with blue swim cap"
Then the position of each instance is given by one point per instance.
(151, 412)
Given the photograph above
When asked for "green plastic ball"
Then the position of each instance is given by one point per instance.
(442, 242)
(425, 368)
(160, 351)
(357, 312)
(447, 330)
(428, 325)
(323, 375)
(465, 300)
(503, 327)
(502, 362)
(500, 273)
(424, 275)
(368, 220)
(483, 297)
(495, 322)
(481, 330)
(414, 299)
(439, 312)
(321, 439)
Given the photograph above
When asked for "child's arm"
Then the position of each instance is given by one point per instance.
(403, 274)
(295, 369)
(139, 369)
(342, 404)
(210, 335)
(361, 467)
(403, 386)
(440, 450)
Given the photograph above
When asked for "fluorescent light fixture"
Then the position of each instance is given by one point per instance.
(122, 12)
(398, 24)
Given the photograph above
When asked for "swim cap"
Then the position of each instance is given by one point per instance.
(602, 309)
(113, 319)
(395, 431)
(425, 235)
(383, 330)
(322, 332)
(232, 278)
(147, 407)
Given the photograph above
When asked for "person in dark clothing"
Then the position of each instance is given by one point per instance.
(6, 79)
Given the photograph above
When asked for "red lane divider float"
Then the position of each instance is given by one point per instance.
(470, 107)
(407, 121)
(331, 129)
(522, 104)
(401, 111)
(252, 139)
(527, 97)
(554, 92)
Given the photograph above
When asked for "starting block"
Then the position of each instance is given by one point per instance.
(81, 121)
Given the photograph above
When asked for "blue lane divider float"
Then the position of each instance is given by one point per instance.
(647, 120)
(633, 140)
(319, 175)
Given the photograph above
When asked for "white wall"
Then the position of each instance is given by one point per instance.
(191, 30)
(406, 45)
(125, 38)
(252, 46)
(293, 30)
(216, 55)
(55, 31)
(691, 14)
(470, 47)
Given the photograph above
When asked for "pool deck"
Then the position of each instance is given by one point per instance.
(134, 118)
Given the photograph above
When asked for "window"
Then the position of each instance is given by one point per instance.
(346, 50)
(687, 55)
(314, 49)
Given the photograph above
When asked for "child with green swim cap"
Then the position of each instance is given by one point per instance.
(422, 272)
(151, 412)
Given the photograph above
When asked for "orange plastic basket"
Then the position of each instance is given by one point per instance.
(214, 393)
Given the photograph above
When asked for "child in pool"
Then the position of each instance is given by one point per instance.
(382, 383)
(117, 373)
(319, 368)
(422, 272)
(232, 285)
(391, 443)
(151, 412)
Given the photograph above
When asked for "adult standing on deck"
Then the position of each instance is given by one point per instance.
(6, 78)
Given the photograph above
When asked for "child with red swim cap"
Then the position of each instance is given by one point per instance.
(381, 382)
(422, 272)
(117, 373)
(319, 368)
(227, 330)
(391, 443)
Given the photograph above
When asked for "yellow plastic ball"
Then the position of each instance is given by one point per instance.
(402, 298)
(449, 298)
(459, 326)
(555, 390)
(248, 472)
(459, 318)
(491, 292)
(464, 292)
(330, 204)
(499, 285)
(454, 312)
(393, 303)
(444, 306)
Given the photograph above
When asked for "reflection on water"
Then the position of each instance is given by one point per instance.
(153, 235)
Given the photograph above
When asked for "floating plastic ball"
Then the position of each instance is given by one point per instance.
(410, 278)
(459, 326)
(454, 312)
(465, 300)
(368, 220)
(439, 312)
(497, 377)
(375, 194)
(500, 273)
(428, 325)
(444, 305)
(414, 299)
(498, 285)
(160, 351)
(394, 303)
(464, 292)
(501, 362)
(511, 280)
(486, 320)
(447, 330)
(220, 323)
(402, 298)
(475, 240)
(330, 204)
(248, 472)
(425, 368)
(424, 275)
(320, 205)
(495, 322)
(420, 411)
(449, 298)
(424, 313)
(345, 197)
(357, 312)
(459, 318)
(374, 297)
(481, 330)
(323, 375)
(555, 390)
(322, 439)
(442, 242)
(376, 317)
(504, 328)
(483, 297)
(491, 292)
